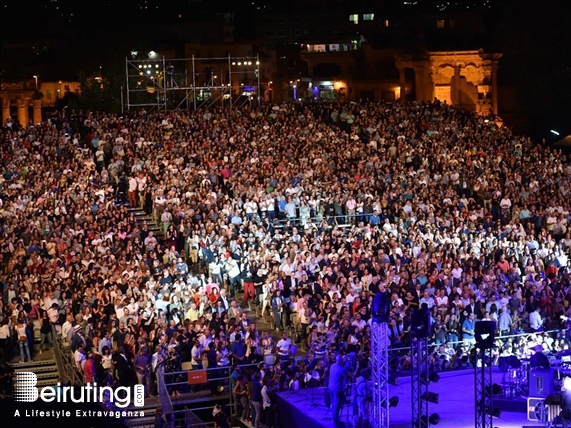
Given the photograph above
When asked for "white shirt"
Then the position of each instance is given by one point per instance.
(535, 320)
(283, 346)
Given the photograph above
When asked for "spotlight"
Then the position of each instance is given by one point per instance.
(392, 380)
(220, 388)
(433, 377)
(497, 389)
(495, 412)
(393, 401)
(431, 397)
(434, 419)
(381, 307)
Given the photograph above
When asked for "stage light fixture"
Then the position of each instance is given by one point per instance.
(420, 323)
(431, 397)
(497, 389)
(495, 412)
(434, 419)
(433, 377)
(381, 307)
(393, 401)
(485, 334)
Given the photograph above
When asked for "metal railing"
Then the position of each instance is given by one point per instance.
(223, 377)
(65, 360)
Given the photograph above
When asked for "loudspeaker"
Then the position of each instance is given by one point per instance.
(541, 383)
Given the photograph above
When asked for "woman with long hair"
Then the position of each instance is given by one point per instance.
(278, 309)
(23, 339)
(45, 331)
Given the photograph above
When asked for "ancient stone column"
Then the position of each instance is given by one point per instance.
(22, 111)
(495, 89)
(37, 111)
(402, 84)
(5, 110)
(456, 89)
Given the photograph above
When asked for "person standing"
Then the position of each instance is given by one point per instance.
(23, 341)
(220, 418)
(267, 402)
(363, 396)
(468, 330)
(45, 331)
(338, 376)
(158, 365)
(211, 356)
(142, 364)
(89, 374)
(257, 399)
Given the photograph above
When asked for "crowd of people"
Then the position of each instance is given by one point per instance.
(305, 210)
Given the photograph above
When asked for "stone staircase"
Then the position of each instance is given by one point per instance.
(45, 369)
(142, 217)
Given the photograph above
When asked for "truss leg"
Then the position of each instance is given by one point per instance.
(419, 382)
(380, 375)
(483, 389)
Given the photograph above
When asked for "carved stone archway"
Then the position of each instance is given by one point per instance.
(464, 78)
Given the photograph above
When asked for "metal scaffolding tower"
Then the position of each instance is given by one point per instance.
(419, 382)
(380, 374)
(483, 389)
(169, 84)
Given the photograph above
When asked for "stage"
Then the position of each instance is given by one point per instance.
(306, 408)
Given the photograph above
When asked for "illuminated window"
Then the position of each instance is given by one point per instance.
(440, 23)
(386, 23)
(354, 18)
(368, 16)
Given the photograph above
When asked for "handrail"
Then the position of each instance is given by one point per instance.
(461, 342)
(65, 361)
(58, 351)
(164, 397)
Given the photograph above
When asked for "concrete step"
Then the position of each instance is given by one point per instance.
(45, 370)
(35, 366)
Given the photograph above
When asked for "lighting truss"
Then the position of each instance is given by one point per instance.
(419, 382)
(483, 389)
(380, 374)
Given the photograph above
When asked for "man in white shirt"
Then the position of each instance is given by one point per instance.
(535, 321)
(67, 326)
(132, 194)
(283, 347)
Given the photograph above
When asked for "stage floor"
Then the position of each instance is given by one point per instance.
(306, 408)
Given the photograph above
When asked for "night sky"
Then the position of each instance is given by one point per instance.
(96, 36)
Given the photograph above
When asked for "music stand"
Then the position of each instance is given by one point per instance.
(316, 378)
